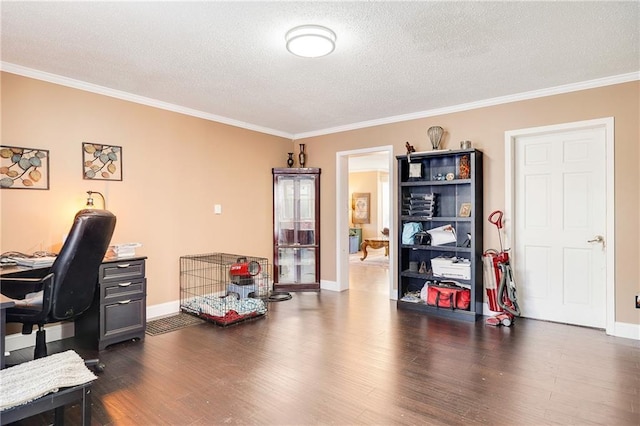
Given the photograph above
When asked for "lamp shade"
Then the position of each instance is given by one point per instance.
(310, 41)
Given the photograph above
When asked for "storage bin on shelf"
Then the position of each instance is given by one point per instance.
(451, 267)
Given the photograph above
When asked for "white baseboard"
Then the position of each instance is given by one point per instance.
(626, 330)
(163, 310)
(64, 330)
(330, 285)
(60, 331)
(621, 329)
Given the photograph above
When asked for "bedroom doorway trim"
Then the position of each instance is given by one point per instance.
(343, 214)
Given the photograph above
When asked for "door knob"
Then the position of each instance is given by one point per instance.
(597, 239)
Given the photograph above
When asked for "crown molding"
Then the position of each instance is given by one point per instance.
(574, 87)
(101, 90)
(93, 88)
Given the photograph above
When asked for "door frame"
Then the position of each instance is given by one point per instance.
(342, 217)
(510, 138)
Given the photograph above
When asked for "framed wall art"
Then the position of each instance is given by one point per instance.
(360, 207)
(24, 168)
(101, 162)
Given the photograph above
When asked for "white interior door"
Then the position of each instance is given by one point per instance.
(560, 226)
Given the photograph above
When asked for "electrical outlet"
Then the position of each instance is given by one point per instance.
(217, 209)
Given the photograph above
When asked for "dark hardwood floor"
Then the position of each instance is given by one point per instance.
(352, 359)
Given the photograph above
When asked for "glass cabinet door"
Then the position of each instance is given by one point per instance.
(297, 265)
(296, 229)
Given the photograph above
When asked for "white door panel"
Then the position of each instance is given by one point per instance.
(536, 260)
(560, 204)
(536, 193)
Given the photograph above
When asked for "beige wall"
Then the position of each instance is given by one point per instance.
(177, 167)
(485, 127)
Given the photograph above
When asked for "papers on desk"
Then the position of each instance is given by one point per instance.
(6, 261)
(34, 262)
(124, 250)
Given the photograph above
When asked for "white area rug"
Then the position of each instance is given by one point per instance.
(31, 380)
(374, 258)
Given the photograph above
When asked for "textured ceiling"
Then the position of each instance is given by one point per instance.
(227, 60)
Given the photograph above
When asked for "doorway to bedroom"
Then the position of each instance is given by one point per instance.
(369, 209)
(365, 215)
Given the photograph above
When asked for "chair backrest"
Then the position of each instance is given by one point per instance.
(77, 265)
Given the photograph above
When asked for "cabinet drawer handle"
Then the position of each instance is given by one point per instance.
(124, 265)
(124, 284)
(124, 302)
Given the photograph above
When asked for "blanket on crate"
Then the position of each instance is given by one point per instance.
(31, 380)
(225, 309)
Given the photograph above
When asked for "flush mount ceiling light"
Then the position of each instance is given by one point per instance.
(310, 41)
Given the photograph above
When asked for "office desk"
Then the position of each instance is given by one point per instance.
(118, 310)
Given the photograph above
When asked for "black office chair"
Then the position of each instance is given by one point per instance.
(68, 286)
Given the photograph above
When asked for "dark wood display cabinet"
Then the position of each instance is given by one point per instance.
(296, 229)
(440, 189)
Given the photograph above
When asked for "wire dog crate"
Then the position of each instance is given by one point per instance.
(224, 288)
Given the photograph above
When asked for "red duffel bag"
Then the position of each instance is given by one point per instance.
(448, 296)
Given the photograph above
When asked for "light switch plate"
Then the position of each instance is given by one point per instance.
(217, 209)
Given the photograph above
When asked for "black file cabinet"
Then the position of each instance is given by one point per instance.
(119, 309)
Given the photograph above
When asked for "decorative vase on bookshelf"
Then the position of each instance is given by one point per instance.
(302, 156)
(290, 160)
(465, 168)
(435, 135)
